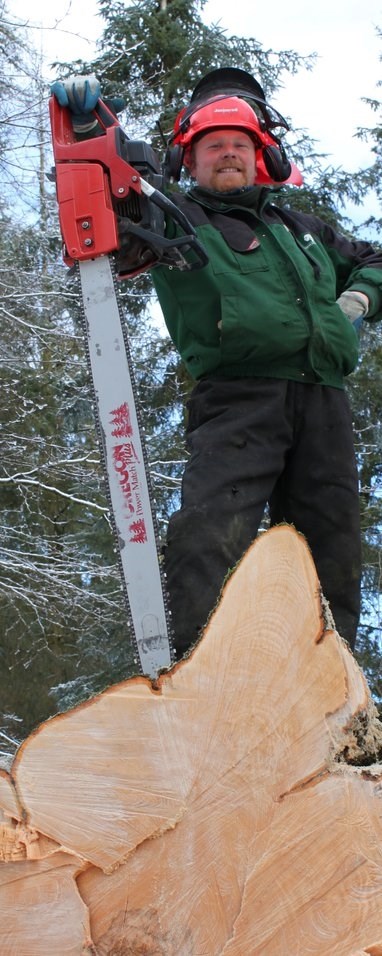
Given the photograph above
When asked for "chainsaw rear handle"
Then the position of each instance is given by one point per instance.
(190, 237)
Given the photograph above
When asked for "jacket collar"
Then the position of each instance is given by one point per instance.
(255, 198)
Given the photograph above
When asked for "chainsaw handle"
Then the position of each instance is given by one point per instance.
(180, 219)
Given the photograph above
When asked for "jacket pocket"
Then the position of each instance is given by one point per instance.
(237, 341)
(223, 260)
(240, 262)
(336, 345)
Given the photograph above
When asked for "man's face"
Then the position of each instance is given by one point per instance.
(223, 160)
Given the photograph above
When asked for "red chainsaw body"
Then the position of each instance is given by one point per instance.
(89, 174)
(111, 200)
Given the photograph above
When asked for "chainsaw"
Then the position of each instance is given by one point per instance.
(112, 220)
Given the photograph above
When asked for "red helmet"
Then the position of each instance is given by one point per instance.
(233, 112)
(229, 111)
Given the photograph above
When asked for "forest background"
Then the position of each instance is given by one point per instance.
(63, 629)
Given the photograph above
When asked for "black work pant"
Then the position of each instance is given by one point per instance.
(254, 442)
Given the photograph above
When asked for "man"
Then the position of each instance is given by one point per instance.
(267, 330)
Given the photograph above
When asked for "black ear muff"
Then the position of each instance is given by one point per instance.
(276, 163)
(173, 162)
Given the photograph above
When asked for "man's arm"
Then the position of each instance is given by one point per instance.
(357, 264)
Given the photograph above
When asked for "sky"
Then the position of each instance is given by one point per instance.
(326, 101)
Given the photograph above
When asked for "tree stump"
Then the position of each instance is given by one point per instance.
(233, 806)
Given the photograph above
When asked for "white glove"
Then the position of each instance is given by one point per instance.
(355, 305)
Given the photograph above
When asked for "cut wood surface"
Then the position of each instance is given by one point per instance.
(233, 807)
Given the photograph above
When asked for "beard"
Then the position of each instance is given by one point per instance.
(227, 181)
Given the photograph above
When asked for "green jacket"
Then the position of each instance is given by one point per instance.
(265, 305)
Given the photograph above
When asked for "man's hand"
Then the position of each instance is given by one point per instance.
(81, 95)
(355, 305)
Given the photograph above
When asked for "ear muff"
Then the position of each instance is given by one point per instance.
(173, 162)
(276, 163)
